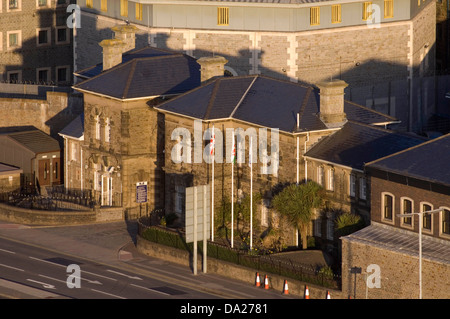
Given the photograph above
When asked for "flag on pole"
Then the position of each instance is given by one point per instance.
(250, 153)
(233, 151)
(212, 142)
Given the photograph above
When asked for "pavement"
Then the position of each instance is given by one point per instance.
(113, 243)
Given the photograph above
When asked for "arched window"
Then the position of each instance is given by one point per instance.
(387, 201)
(445, 221)
(406, 207)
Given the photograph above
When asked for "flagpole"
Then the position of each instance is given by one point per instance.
(251, 192)
(213, 151)
(233, 154)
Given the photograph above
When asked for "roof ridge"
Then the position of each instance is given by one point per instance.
(409, 149)
(130, 77)
(369, 109)
(212, 99)
(243, 96)
(303, 106)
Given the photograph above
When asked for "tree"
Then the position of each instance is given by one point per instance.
(297, 204)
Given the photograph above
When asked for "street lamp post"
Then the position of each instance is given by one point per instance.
(420, 214)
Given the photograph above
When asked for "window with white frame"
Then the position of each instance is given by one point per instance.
(406, 207)
(352, 185)
(97, 127)
(43, 75)
(320, 175)
(14, 76)
(445, 221)
(42, 3)
(362, 188)
(387, 204)
(14, 5)
(107, 130)
(43, 36)
(74, 151)
(62, 35)
(13, 39)
(427, 222)
(330, 183)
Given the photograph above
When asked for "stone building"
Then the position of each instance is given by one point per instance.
(122, 143)
(337, 163)
(36, 153)
(9, 178)
(256, 107)
(383, 56)
(36, 45)
(411, 181)
(309, 41)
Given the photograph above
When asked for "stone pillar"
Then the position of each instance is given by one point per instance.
(112, 52)
(211, 67)
(332, 102)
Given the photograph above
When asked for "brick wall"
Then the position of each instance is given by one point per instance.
(418, 195)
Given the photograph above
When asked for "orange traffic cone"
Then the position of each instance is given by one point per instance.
(266, 283)
(258, 280)
(306, 293)
(285, 288)
(328, 294)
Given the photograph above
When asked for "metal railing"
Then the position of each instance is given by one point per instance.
(270, 263)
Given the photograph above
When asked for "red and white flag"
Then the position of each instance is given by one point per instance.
(212, 141)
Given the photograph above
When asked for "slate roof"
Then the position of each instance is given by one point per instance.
(145, 73)
(264, 101)
(6, 168)
(356, 144)
(429, 161)
(402, 241)
(35, 140)
(75, 128)
(134, 54)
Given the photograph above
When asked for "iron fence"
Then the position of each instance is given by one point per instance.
(270, 263)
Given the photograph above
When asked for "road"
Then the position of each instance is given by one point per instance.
(34, 261)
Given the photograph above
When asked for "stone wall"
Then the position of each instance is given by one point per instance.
(399, 274)
(41, 217)
(359, 55)
(246, 275)
(50, 114)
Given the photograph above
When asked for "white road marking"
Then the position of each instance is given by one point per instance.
(45, 285)
(11, 267)
(102, 292)
(119, 273)
(150, 289)
(7, 251)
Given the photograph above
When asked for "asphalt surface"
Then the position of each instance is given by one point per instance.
(112, 244)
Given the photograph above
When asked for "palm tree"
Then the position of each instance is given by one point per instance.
(297, 203)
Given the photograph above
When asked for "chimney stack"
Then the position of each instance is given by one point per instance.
(124, 41)
(112, 53)
(332, 102)
(126, 33)
(211, 67)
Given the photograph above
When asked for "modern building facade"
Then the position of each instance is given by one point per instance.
(36, 45)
